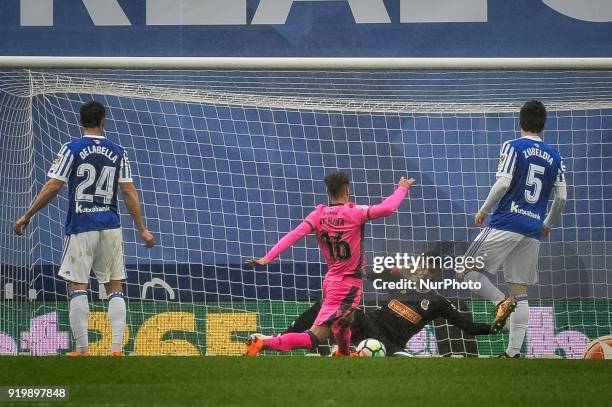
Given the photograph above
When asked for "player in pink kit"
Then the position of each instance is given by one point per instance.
(339, 229)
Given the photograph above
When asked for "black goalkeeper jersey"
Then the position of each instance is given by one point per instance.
(402, 316)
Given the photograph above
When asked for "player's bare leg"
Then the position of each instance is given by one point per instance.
(518, 320)
(116, 315)
(79, 317)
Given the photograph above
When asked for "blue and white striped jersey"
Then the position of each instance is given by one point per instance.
(93, 166)
(534, 168)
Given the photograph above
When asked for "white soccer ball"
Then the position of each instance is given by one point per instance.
(371, 348)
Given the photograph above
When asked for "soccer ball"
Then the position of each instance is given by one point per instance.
(371, 348)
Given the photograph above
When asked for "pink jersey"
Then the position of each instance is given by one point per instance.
(339, 230)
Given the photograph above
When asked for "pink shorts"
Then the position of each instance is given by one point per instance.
(340, 298)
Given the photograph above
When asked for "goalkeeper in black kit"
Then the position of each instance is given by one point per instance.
(402, 316)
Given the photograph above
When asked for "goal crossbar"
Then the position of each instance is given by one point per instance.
(289, 63)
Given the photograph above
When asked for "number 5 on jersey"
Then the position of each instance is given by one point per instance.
(532, 196)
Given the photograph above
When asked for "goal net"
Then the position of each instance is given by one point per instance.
(227, 162)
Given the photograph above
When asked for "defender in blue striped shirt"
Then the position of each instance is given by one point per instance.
(529, 170)
(94, 168)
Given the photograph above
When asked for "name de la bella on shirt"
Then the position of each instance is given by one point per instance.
(98, 150)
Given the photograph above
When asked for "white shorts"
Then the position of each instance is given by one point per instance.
(98, 251)
(517, 253)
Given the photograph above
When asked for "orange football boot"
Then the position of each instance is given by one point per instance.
(337, 354)
(502, 312)
(254, 345)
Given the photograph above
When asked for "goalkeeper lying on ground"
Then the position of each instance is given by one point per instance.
(403, 315)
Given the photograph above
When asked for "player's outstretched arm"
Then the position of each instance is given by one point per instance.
(286, 242)
(132, 202)
(46, 195)
(393, 201)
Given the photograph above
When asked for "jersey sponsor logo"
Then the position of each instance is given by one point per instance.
(534, 151)
(514, 208)
(425, 305)
(92, 209)
(404, 311)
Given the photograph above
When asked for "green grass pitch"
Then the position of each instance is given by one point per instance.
(304, 381)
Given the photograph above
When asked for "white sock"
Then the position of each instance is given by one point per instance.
(117, 316)
(487, 289)
(518, 325)
(79, 317)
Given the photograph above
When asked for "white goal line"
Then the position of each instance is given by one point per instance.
(296, 63)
